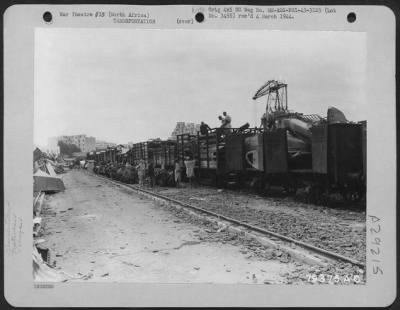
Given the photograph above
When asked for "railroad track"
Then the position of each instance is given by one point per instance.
(303, 251)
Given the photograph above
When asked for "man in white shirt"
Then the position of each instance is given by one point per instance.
(227, 122)
(190, 163)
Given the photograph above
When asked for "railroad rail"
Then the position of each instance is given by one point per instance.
(312, 248)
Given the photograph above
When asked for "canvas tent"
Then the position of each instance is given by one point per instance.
(47, 182)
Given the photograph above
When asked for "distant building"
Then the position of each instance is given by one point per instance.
(103, 145)
(90, 144)
(85, 144)
(182, 127)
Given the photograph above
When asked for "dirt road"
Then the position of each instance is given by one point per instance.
(108, 233)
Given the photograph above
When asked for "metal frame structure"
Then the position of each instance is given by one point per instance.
(160, 151)
(185, 143)
(277, 95)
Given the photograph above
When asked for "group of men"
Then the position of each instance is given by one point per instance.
(226, 123)
(141, 171)
(189, 163)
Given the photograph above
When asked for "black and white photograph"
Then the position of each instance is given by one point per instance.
(199, 155)
(180, 156)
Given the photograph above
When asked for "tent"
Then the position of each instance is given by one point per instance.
(47, 183)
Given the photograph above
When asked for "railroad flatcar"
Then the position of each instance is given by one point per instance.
(334, 160)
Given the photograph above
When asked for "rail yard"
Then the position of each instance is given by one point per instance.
(280, 203)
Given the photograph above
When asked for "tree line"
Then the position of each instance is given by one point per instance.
(68, 148)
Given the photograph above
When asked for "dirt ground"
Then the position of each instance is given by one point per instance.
(106, 233)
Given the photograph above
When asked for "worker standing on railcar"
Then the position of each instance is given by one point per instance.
(227, 121)
(222, 121)
(204, 128)
(222, 127)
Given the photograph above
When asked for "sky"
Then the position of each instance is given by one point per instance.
(131, 85)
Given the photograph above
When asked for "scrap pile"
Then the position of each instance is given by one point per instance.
(45, 172)
(42, 269)
(45, 180)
